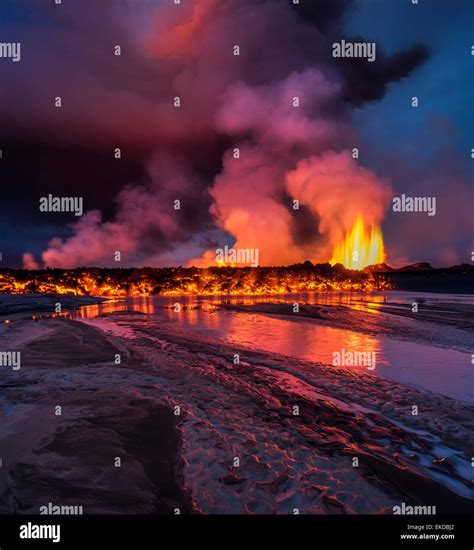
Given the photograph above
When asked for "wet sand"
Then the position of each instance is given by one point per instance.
(227, 411)
(70, 459)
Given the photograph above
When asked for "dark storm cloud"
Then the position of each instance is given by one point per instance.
(323, 14)
(368, 81)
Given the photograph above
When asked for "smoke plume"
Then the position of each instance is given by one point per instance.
(235, 139)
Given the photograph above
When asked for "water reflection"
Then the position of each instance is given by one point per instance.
(312, 341)
(438, 369)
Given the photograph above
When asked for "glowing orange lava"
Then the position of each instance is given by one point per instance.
(361, 247)
(180, 281)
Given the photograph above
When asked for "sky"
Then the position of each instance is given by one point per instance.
(229, 102)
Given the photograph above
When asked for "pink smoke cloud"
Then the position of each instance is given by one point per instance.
(337, 189)
(227, 101)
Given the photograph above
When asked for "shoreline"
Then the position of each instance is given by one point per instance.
(13, 304)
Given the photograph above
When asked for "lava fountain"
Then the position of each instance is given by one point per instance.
(362, 246)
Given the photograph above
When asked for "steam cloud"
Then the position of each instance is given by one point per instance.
(228, 102)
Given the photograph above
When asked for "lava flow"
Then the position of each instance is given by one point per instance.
(297, 278)
(361, 247)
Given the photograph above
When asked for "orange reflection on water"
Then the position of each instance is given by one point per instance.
(97, 310)
(372, 306)
(308, 340)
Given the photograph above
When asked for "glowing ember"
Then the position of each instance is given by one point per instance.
(361, 247)
(190, 281)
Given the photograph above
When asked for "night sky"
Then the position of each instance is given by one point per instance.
(229, 101)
